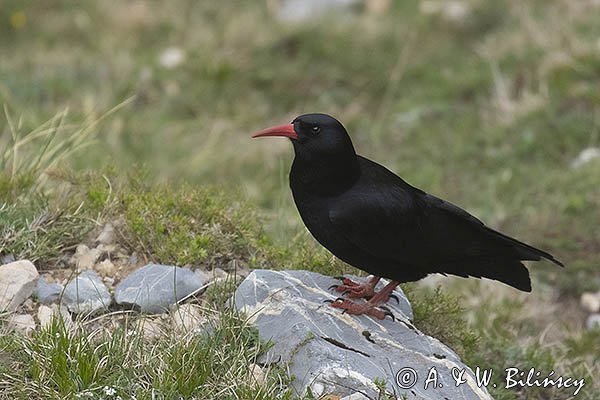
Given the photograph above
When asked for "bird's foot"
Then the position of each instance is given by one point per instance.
(355, 290)
(350, 307)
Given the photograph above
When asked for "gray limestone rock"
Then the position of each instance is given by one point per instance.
(334, 353)
(47, 293)
(86, 294)
(153, 288)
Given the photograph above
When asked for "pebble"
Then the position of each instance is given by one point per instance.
(154, 288)
(188, 317)
(23, 323)
(105, 268)
(47, 293)
(590, 302)
(593, 322)
(86, 294)
(84, 257)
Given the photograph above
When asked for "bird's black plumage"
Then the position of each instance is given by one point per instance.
(372, 219)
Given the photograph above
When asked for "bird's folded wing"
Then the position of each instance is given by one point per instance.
(384, 223)
(419, 229)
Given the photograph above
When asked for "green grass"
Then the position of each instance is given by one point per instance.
(56, 363)
(488, 113)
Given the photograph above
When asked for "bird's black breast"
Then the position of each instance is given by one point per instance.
(316, 205)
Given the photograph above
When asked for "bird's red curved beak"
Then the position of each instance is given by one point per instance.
(286, 130)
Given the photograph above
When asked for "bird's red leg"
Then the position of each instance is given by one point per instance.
(371, 306)
(355, 290)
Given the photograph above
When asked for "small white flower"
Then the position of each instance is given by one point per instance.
(109, 391)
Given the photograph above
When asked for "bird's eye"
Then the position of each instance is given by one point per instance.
(315, 129)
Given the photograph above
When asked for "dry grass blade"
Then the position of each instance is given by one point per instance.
(35, 152)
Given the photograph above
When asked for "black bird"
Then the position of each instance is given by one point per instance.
(372, 219)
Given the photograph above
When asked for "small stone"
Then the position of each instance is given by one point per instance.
(153, 288)
(172, 57)
(17, 282)
(188, 317)
(590, 302)
(86, 294)
(258, 376)
(105, 268)
(149, 328)
(593, 322)
(23, 323)
(107, 236)
(47, 293)
(586, 156)
(28, 305)
(44, 315)
(109, 281)
(84, 257)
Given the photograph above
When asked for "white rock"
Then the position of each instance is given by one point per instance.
(105, 268)
(188, 317)
(84, 257)
(44, 315)
(23, 323)
(149, 328)
(17, 282)
(172, 57)
(258, 376)
(585, 157)
(593, 322)
(590, 302)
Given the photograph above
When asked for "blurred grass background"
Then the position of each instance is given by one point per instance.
(487, 104)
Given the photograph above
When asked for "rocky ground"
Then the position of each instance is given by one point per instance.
(98, 278)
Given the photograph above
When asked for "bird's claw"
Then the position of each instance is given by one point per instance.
(386, 312)
(340, 299)
(349, 307)
(393, 296)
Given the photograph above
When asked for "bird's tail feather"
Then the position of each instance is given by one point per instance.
(510, 272)
(523, 250)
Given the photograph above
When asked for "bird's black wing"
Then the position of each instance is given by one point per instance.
(391, 220)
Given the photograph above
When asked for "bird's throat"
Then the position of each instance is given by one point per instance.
(325, 175)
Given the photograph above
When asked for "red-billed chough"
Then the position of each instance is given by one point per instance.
(372, 219)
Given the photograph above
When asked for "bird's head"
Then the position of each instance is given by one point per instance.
(314, 136)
